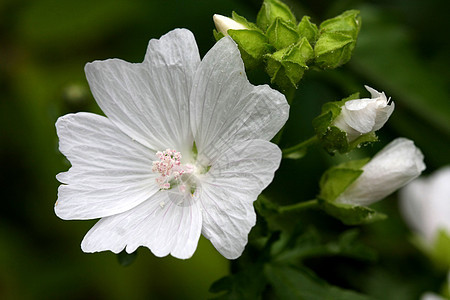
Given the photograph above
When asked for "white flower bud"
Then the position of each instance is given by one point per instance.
(425, 204)
(223, 24)
(361, 116)
(390, 169)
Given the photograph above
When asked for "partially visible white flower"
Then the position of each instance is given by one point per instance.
(184, 150)
(390, 169)
(431, 296)
(425, 204)
(361, 116)
(223, 24)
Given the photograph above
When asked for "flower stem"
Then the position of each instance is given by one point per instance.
(300, 147)
(298, 206)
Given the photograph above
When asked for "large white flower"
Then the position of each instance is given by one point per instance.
(390, 169)
(425, 204)
(183, 150)
(362, 116)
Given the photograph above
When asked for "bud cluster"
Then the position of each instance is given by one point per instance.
(288, 48)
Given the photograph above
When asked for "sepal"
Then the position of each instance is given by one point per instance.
(287, 66)
(308, 30)
(271, 10)
(337, 39)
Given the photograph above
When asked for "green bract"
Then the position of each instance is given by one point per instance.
(334, 182)
(286, 66)
(337, 39)
(332, 138)
(271, 10)
(308, 30)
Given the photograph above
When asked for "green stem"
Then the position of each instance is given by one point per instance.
(298, 206)
(303, 145)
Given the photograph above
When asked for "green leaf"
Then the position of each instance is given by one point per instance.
(281, 34)
(272, 9)
(217, 35)
(308, 30)
(351, 214)
(301, 284)
(246, 284)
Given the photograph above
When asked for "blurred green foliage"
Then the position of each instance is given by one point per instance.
(44, 45)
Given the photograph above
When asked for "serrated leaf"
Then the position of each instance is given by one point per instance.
(301, 284)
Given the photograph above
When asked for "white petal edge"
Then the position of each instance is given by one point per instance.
(150, 101)
(226, 108)
(229, 189)
(164, 224)
(110, 172)
(393, 167)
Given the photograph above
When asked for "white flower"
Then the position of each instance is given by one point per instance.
(361, 116)
(393, 167)
(425, 204)
(431, 296)
(223, 24)
(136, 168)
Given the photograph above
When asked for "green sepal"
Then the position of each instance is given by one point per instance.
(441, 250)
(272, 9)
(349, 23)
(351, 214)
(281, 34)
(253, 45)
(308, 30)
(242, 20)
(337, 39)
(331, 137)
(287, 66)
(336, 179)
(333, 49)
(217, 35)
(333, 183)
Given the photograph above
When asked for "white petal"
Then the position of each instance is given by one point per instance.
(226, 108)
(229, 189)
(150, 101)
(383, 115)
(393, 167)
(360, 114)
(425, 204)
(164, 223)
(223, 24)
(110, 172)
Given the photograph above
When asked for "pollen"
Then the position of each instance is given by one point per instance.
(170, 169)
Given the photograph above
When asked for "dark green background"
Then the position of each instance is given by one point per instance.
(403, 50)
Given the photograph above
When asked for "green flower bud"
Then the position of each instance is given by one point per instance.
(281, 34)
(286, 66)
(272, 9)
(308, 30)
(337, 39)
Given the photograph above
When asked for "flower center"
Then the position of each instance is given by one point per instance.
(173, 173)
